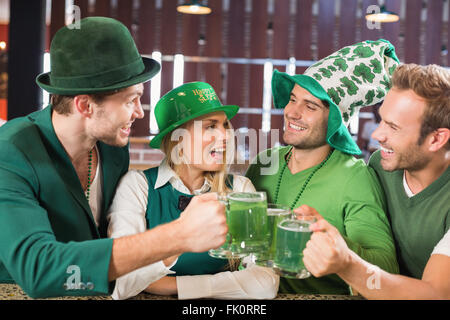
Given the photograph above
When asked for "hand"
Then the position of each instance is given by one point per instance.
(305, 210)
(326, 252)
(203, 223)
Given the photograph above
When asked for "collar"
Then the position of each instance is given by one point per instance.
(408, 191)
(167, 175)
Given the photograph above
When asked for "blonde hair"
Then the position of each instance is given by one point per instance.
(432, 83)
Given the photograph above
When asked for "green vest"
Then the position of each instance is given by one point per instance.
(162, 208)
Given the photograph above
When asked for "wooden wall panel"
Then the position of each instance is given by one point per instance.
(391, 31)
(147, 27)
(366, 33)
(239, 121)
(235, 76)
(213, 46)
(171, 33)
(190, 34)
(347, 22)
(303, 30)
(236, 32)
(278, 123)
(325, 28)
(125, 13)
(58, 15)
(168, 43)
(433, 42)
(259, 23)
(84, 7)
(258, 49)
(189, 44)
(103, 8)
(169, 28)
(412, 36)
(281, 29)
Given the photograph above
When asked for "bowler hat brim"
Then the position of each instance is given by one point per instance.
(152, 67)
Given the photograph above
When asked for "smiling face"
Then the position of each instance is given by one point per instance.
(206, 144)
(305, 120)
(114, 116)
(399, 131)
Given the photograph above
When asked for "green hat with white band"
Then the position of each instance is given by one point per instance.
(353, 77)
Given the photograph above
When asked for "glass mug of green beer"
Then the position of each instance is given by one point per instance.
(275, 214)
(246, 214)
(291, 239)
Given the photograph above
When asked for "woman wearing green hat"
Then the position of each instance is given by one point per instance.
(196, 136)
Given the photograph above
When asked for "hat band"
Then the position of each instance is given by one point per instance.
(180, 115)
(100, 80)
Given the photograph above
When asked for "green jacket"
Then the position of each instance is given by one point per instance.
(48, 236)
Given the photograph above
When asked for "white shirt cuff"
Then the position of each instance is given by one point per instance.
(133, 283)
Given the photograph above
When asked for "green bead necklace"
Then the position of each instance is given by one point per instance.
(89, 175)
(280, 178)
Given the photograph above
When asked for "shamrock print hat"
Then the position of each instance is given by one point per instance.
(353, 77)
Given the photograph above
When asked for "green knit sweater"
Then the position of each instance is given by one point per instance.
(347, 194)
(419, 222)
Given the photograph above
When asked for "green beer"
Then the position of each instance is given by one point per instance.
(291, 239)
(247, 222)
(275, 214)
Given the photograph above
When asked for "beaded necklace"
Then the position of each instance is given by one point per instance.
(280, 178)
(89, 182)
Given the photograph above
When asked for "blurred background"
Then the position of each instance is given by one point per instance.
(235, 47)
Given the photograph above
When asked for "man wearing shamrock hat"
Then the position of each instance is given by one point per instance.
(59, 168)
(317, 169)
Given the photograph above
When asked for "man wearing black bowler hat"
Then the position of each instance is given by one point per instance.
(59, 168)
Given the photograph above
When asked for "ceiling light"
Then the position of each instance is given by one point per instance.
(383, 16)
(193, 7)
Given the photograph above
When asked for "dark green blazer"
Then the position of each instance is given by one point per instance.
(48, 236)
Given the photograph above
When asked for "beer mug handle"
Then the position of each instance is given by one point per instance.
(222, 197)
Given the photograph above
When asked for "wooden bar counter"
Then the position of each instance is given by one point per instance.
(14, 292)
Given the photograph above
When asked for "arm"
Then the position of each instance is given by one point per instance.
(327, 253)
(127, 217)
(202, 286)
(39, 263)
(254, 282)
(434, 284)
(366, 228)
(201, 226)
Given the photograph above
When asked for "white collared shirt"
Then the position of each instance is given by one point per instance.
(127, 216)
(408, 191)
(95, 190)
(166, 174)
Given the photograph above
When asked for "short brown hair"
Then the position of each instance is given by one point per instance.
(432, 83)
(63, 104)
